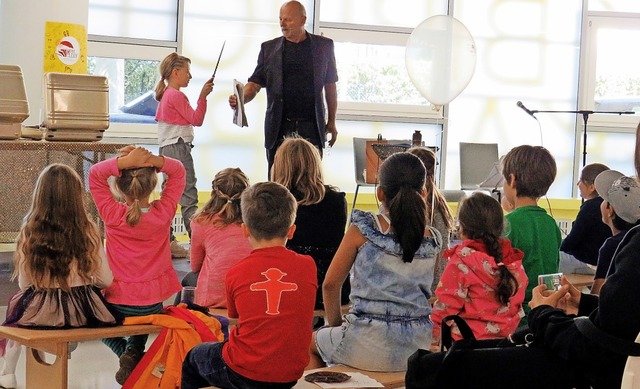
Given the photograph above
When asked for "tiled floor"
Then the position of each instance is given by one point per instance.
(93, 364)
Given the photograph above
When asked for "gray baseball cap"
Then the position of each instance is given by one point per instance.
(623, 193)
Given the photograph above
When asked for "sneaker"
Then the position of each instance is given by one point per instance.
(8, 381)
(177, 251)
(128, 361)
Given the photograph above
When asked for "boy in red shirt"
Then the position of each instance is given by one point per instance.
(272, 293)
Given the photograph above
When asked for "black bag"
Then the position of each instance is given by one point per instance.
(490, 363)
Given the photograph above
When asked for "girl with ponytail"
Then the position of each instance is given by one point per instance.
(137, 244)
(217, 241)
(484, 281)
(390, 258)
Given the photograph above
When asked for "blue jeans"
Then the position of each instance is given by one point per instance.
(204, 366)
(189, 200)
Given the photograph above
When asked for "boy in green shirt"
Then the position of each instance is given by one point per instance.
(529, 171)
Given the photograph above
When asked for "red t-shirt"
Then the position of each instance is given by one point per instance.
(272, 293)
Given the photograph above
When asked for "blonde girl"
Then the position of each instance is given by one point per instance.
(60, 264)
(137, 248)
(217, 242)
(322, 209)
(176, 119)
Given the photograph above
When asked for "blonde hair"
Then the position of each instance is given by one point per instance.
(168, 64)
(297, 166)
(226, 188)
(435, 199)
(57, 235)
(136, 184)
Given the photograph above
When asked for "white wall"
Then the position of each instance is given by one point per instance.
(22, 25)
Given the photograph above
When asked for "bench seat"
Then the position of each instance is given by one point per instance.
(388, 379)
(41, 374)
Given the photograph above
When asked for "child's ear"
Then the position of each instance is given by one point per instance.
(245, 230)
(291, 231)
(380, 194)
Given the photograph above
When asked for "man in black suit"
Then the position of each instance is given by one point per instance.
(295, 68)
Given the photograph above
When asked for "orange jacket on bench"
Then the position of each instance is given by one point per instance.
(161, 366)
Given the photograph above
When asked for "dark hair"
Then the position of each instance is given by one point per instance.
(268, 210)
(533, 168)
(435, 199)
(590, 172)
(619, 223)
(481, 217)
(402, 178)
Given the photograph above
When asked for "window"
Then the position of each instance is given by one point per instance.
(611, 75)
(370, 50)
(128, 53)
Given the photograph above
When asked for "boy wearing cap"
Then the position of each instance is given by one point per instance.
(620, 211)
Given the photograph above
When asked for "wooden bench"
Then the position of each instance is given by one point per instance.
(388, 379)
(39, 373)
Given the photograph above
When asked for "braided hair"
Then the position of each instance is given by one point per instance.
(223, 208)
(481, 218)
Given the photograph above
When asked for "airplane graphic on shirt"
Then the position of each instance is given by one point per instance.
(273, 289)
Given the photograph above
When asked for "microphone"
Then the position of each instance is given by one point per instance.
(519, 104)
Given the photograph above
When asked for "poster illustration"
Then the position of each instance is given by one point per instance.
(65, 48)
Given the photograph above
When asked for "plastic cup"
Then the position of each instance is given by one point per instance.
(188, 294)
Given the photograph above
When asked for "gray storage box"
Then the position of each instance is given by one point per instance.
(75, 102)
(14, 106)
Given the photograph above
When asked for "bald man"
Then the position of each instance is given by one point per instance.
(296, 69)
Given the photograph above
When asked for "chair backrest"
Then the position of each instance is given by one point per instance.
(360, 157)
(476, 162)
(631, 374)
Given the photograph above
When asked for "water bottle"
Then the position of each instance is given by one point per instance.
(416, 140)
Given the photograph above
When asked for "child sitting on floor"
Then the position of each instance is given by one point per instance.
(579, 250)
(272, 293)
(217, 241)
(528, 173)
(484, 280)
(620, 211)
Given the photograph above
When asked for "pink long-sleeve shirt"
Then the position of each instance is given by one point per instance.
(214, 251)
(139, 256)
(176, 117)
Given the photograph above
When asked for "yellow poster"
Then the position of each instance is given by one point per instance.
(65, 48)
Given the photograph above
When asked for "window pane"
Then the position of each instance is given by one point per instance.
(614, 5)
(137, 19)
(617, 75)
(131, 88)
(384, 13)
(601, 144)
(372, 73)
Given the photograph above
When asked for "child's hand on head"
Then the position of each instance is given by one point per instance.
(206, 88)
(126, 150)
(136, 157)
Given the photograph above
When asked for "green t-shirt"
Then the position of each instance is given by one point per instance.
(533, 231)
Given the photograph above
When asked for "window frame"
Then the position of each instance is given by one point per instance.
(592, 21)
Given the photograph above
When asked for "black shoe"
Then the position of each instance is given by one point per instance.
(128, 361)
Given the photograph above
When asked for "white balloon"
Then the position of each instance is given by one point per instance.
(440, 58)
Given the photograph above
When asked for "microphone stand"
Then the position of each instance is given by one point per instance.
(585, 117)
